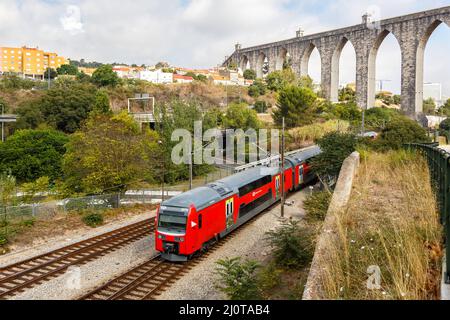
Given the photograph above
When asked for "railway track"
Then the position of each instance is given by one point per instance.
(150, 279)
(26, 274)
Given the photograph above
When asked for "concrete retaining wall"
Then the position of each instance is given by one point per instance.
(338, 203)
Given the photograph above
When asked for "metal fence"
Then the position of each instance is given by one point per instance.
(10, 215)
(439, 164)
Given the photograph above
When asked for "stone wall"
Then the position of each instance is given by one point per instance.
(338, 203)
(412, 32)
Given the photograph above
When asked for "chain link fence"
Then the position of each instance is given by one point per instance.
(439, 164)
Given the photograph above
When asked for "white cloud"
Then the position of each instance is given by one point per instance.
(71, 21)
(197, 33)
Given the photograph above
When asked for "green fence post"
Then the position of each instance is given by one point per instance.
(446, 221)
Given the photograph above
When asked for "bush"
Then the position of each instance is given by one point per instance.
(316, 206)
(250, 74)
(93, 220)
(3, 239)
(296, 105)
(401, 131)
(258, 88)
(293, 245)
(31, 154)
(445, 125)
(261, 106)
(336, 147)
(237, 279)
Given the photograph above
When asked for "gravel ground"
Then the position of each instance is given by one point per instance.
(50, 244)
(83, 279)
(198, 284)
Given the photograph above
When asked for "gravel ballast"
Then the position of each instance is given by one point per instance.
(199, 283)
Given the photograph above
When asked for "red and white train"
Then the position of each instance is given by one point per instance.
(191, 221)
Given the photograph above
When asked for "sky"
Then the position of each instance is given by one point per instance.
(200, 33)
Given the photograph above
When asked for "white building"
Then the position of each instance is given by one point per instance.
(156, 76)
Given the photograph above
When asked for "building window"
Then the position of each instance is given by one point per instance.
(28, 54)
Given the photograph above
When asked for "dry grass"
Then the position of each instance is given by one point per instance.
(304, 136)
(391, 222)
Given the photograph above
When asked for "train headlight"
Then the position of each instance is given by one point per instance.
(179, 239)
(161, 237)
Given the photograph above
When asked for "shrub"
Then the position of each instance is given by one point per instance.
(237, 279)
(31, 154)
(250, 74)
(261, 106)
(293, 245)
(316, 206)
(401, 131)
(336, 147)
(445, 125)
(93, 219)
(3, 239)
(296, 105)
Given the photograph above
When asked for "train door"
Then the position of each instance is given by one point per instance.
(229, 213)
(301, 175)
(277, 186)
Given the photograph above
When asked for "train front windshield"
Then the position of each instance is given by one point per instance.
(172, 221)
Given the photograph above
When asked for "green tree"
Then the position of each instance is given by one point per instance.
(429, 106)
(101, 103)
(336, 147)
(445, 125)
(31, 154)
(347, 111)
(347, 94)
(296, 105)
(65, 108)
(105, 76)
(250, 74)
(261, 106)
(237, 279)
(306, 82)
(14, 82)
(258, 88)
(377, 118)
(400, 131)
(445, 109)
(53, 73)
(29, 116)
(108, 153)
(239, 116)
(67, 69)
(277, 80)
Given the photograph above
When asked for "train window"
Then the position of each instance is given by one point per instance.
(254, 185)
(172, 221)
(200, 221)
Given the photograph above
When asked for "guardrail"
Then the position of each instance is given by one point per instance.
(439, 164)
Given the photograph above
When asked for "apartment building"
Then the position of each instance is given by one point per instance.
(28, 62)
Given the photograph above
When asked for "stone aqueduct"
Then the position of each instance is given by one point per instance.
(411, 31)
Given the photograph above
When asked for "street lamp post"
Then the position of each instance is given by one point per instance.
(3, 124)
(163, 175)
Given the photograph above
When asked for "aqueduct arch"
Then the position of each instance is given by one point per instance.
(411, 31)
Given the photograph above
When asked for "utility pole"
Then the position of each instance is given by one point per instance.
(3, 124)
(191, 166)
(163, 173)
(283, 196)
(49, 75)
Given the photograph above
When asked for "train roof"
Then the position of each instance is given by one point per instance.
(241, 179)
(214, 192)
(304, 155)
(199, 197)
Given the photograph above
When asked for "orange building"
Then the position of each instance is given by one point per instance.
(29, 62)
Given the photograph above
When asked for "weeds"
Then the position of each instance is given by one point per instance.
(391, 225)
(293, 245)
(93, 219)
(237, 279)
(316, 206)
